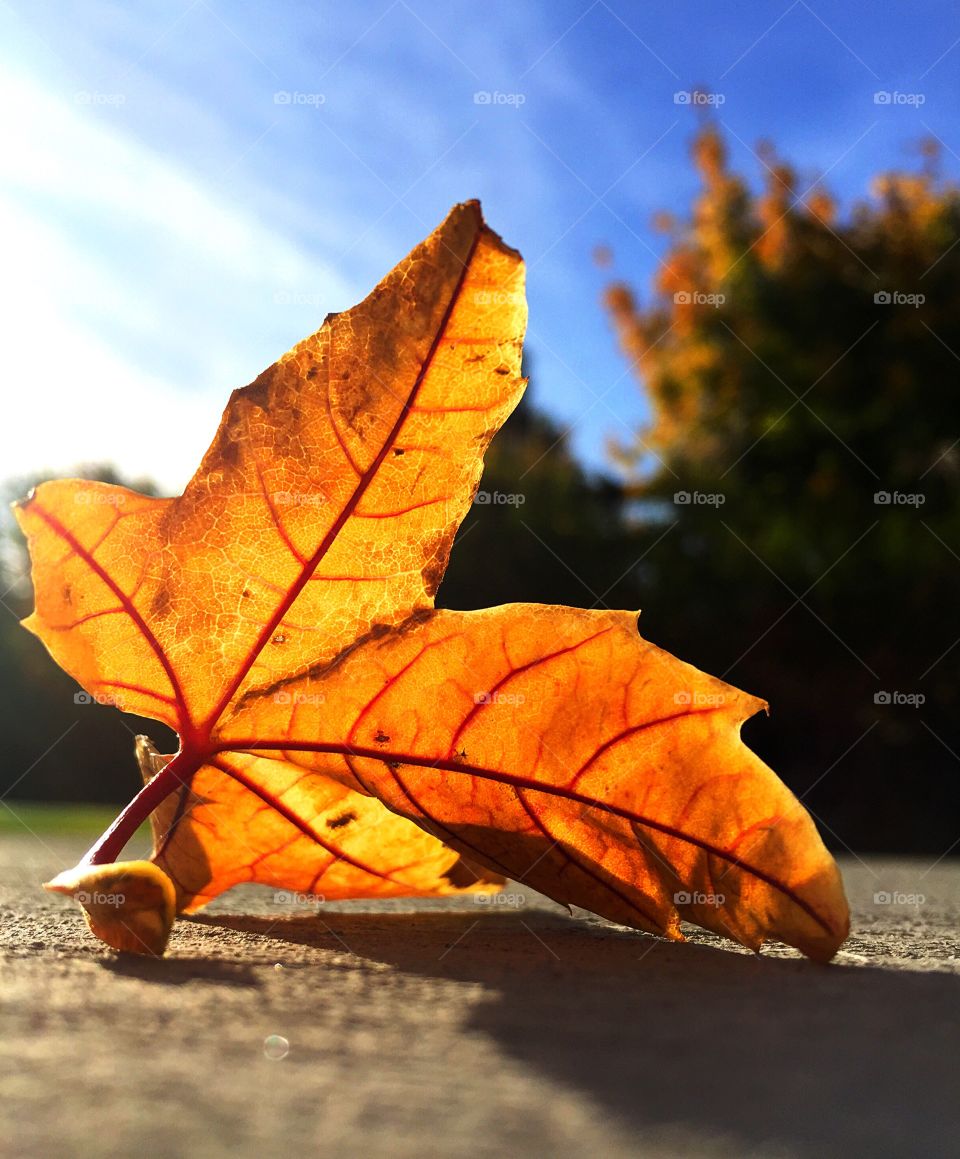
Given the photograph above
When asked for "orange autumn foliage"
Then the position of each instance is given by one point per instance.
(341, 736)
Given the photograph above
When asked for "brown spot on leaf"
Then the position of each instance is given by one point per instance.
(343, 819)
(257, 394)
(160, 605)
(433, 574)
(229, 451)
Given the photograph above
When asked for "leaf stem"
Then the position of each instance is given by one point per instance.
(110, 844)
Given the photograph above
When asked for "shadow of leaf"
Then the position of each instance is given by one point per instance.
(771, 1052)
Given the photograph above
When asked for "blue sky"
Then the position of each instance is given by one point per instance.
(170, 225)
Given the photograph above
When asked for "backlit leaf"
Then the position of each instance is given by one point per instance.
(340, 737)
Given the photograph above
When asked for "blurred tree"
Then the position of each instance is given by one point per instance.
(541, 528)
(57, 744)
(801, 370)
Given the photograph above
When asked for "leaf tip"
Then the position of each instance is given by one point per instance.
(472, 208)
(17, 504)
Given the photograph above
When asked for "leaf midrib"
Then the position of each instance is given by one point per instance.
(194, 737)
(348, 508)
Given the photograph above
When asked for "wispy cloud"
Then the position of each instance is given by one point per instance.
(162, 250)
(133, 298)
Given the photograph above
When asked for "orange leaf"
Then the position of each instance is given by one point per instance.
(571, 755)
(244, 818)
(339, 736)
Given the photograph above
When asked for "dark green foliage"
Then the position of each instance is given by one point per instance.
(797, 399)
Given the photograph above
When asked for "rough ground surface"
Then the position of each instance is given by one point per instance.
(474, 1030)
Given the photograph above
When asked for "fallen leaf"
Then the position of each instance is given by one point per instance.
(341, 737)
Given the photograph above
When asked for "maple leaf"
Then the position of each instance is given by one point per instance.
(339, 736)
